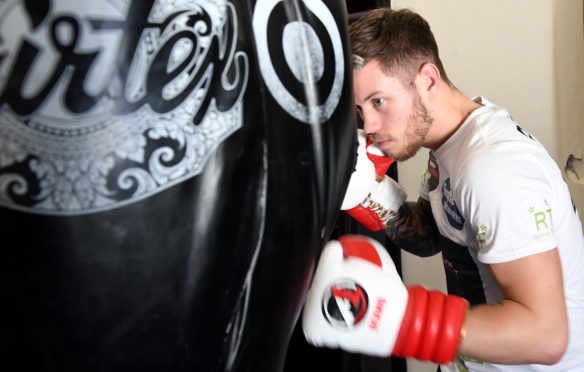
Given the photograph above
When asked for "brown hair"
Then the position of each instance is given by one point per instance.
(400, 40)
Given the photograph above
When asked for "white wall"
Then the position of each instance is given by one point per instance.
(525, 55)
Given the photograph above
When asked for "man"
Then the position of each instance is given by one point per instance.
(487, 201)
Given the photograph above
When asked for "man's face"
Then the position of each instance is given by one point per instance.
(394, 116)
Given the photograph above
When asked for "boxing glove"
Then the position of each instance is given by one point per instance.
(372, 198)
(357, 302)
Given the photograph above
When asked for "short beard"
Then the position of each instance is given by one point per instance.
(419, 123)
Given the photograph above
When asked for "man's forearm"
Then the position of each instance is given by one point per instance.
(414, 229)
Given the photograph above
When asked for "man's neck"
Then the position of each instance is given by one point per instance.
(450, 111)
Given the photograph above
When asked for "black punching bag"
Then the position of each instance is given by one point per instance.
(169, 171)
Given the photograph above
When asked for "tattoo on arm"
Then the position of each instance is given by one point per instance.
(414, 229)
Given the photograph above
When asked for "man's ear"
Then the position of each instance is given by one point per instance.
(428, 78)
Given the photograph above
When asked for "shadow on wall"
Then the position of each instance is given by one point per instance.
(575, 169)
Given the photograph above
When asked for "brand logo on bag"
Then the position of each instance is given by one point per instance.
(301, 60)
(345, 303)
(104, 103)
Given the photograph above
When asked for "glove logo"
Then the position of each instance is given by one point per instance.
(345, 304)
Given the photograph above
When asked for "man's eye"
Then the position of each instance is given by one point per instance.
(377, 101)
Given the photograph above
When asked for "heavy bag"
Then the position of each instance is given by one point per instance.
(169, 171)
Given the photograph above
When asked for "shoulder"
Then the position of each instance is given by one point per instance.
(491, 125)
(507, 170)
(494, 147)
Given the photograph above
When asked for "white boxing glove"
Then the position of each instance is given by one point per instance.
(372, 197)
(357, 302)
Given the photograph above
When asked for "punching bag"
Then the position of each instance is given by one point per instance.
(169, 172)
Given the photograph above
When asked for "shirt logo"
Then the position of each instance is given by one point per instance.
(434, 172)
(522, 131)
(542, 219)
(451, 210)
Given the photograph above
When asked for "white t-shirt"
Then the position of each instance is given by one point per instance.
(496, 192)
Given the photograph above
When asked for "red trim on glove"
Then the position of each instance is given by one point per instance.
(433, 325)
(451, 325)
(398, 346)
(361, 247)
(367, 217)
(430, 329)
(418, 322)
(380, 162)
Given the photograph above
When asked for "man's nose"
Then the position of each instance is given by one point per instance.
(371, 124)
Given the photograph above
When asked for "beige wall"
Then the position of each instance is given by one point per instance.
(525, 55)
(569, 86)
